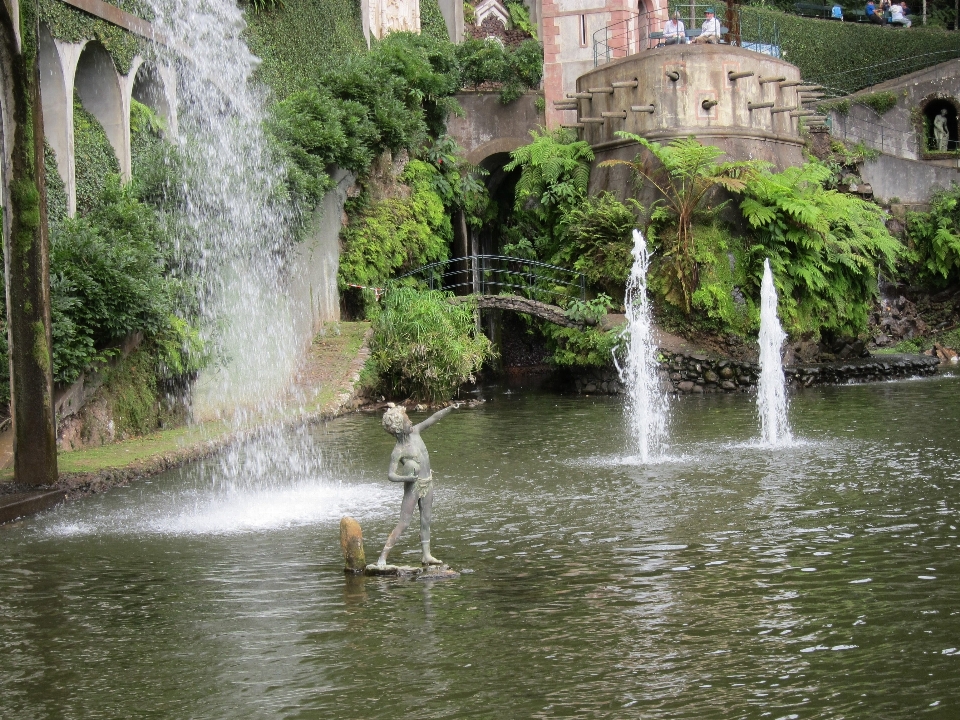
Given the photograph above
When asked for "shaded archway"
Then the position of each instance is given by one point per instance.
(55, 101)
(150, 89)
(98, 87)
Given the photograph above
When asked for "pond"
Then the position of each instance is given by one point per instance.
(727, 580)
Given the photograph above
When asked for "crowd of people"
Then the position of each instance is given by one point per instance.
(886, 12)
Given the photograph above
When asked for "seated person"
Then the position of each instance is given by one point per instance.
(873, 14)
(710, 32)
(674, 31)
(836, 12)
(896, 15)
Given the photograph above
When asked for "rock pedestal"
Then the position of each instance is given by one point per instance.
(351, 543)
(409, 572)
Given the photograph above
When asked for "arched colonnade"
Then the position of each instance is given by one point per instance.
(86, 68)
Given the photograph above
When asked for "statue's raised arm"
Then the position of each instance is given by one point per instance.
(436, 416)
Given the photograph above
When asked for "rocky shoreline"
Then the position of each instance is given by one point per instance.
(698, 373)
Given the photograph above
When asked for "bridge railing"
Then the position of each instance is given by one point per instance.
(499, 274)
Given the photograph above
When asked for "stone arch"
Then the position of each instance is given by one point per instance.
(57, 105)
(98, 86)
(151, 86)
(930, 107)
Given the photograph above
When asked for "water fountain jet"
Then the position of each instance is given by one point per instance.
(646, 406)
(771, 388)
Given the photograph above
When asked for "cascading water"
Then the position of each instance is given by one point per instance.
(646, 406)
(232, 228)
(771, 389)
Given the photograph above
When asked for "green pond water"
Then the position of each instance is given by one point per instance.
(727, 581)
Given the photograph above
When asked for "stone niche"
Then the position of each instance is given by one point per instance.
(744, 102)
(381, 17)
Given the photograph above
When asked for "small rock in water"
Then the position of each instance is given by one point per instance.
(351, 543)
(410, 572)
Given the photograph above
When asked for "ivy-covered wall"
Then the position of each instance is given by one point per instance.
(431, 20)
(303, 38)
(823, 48)
(71, 25)
(56, 190)
(94, 157)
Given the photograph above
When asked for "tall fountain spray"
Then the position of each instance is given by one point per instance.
(646, 407)
(232, 228)
(771, 390)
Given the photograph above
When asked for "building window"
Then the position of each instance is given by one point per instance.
(583, 31)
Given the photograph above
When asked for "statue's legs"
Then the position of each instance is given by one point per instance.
(426, 512)
(406, 515)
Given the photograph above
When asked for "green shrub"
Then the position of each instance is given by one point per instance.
(424, 346)
(516, 70)
(935, 239)
(598, 242)
(397, 234)
(572, 347)
(825, 248)
(879, 102)
(106, 280)
(722, 299)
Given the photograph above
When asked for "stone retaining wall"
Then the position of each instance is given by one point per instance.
(694, 373)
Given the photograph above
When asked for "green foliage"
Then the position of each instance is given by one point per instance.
(554, 172)
(821, 49)
(457, 182)
(825, 248)
(397, 234)
(589, 312)
(571, 347)
(107, 281)
(302, 40)
(879, 102)
(432, 23)
(935, 238)
(131, 390)
(720, 300)
(487, 61)
(260, 6)
(95, 158)
(424, 345)
(684, 172)
(520, 17)
(156, 165)
(598, 242)
(72, 25)
(56, 190)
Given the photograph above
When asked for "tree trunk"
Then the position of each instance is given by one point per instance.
(26, 251)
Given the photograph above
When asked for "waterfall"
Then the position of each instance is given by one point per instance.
(771, 390)
(231, 234)
(646, 406)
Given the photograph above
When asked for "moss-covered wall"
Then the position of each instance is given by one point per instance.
(71, 25)
(302, 39)
(94, 156)
(56, 190)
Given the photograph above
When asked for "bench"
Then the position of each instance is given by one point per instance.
(819, 10)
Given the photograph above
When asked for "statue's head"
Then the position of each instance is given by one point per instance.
(396, 422)
(944, 112)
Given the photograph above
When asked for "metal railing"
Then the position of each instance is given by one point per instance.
(644, 31)
(497, 274)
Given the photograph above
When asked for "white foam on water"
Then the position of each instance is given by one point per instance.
(212, 511)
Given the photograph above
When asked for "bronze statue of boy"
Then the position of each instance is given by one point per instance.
(410, 464)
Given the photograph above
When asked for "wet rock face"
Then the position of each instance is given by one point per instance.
(697, 374)
(896, 320)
